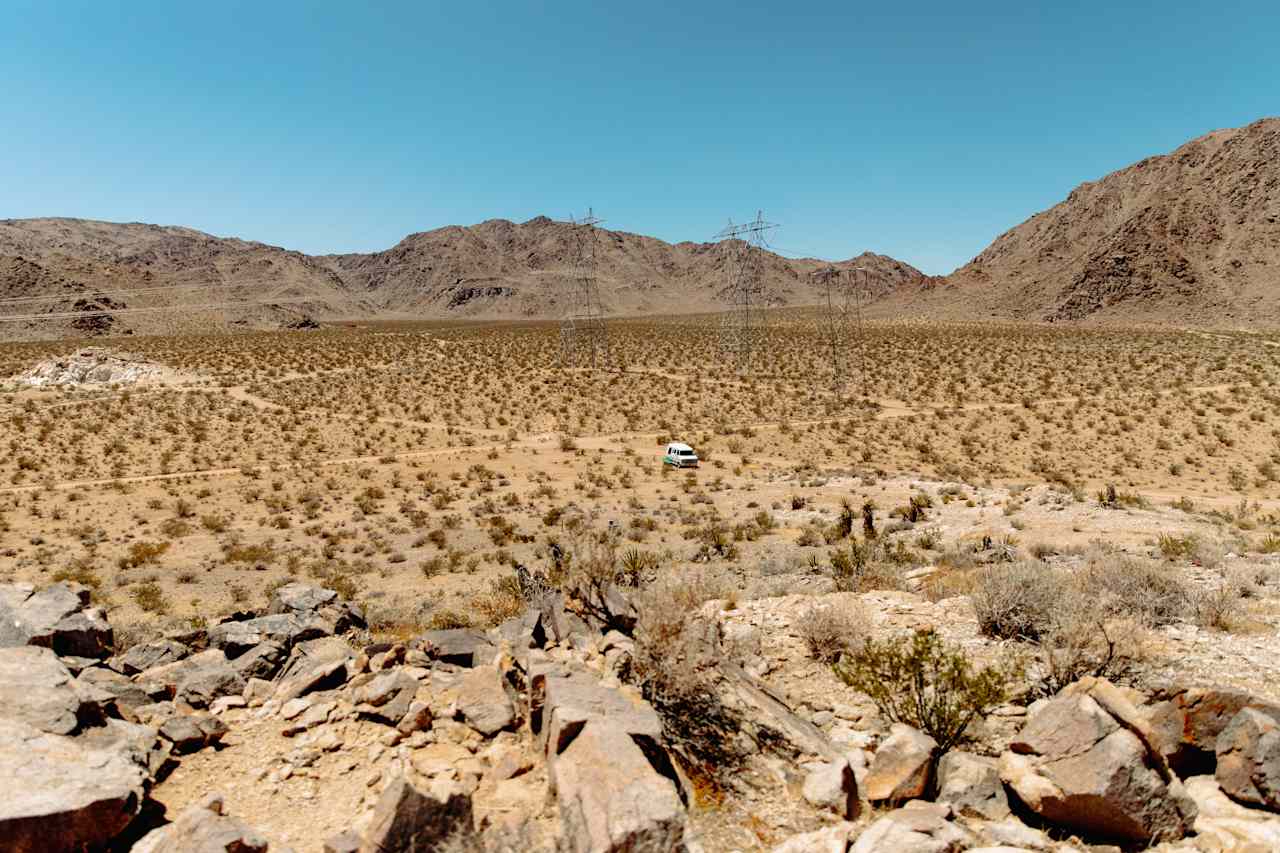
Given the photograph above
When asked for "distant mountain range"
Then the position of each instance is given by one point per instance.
(1187, 238)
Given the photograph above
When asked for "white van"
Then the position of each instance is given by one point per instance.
(680, 455)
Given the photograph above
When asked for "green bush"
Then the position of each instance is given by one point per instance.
(921, 681)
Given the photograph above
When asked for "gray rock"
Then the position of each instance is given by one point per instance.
(1085, 762)
(465, 647)
(387, 697)
(204, 828)
(483, 702)
(36, 689)
(406, 818)
(192, 732)
(57, 617)
(262, 661)
(236, 638)
(918, 827)
(202, 684)
(833, 787)
(144, 656)
(971, 784)
(1226, 825)
(61, 794)
(901, 768)
(123, 693)
(141, 745)
(319, 608)
(1248, 752)
(343, 842)
(610, 797)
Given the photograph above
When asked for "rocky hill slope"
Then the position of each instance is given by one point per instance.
(58, 276)
(1188, 238)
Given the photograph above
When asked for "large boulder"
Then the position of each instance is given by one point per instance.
(832, 786)
(465, 647)
(560, 706)
(63, 794)
(406, 818)
(1186, 724)
(237, 637)
(902, 766)
(204, 828)
(1248, 752)
(484, 703)
(972, 786)
(918, 827)
(144, 656)
(1085, 761)
(36, 689)
(611, 796)
(319, 609)
(57, 617)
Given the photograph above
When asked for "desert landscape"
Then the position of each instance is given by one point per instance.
(362, 552)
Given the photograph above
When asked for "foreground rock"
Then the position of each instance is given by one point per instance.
(70, 796)
(38, 690)
(1248, 752)
(58, 617)
(901, 768)
(919, 827)
(204, 828)
(1085, 762)
(409, 819)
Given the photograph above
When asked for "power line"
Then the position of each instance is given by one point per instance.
(583, 335)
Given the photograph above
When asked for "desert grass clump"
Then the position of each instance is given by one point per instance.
(1016, 601)
(151, 598)
(833, 630)
(924, 682)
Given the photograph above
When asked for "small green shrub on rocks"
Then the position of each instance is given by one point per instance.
(921, 681)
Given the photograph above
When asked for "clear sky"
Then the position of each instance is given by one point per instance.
(921, 130)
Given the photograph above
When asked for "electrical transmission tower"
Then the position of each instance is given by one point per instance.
(743, 245)
(584, 340)
(845, 289)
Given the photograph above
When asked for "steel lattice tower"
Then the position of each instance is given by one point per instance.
(845, 289)
(584, 338)
(742, 245)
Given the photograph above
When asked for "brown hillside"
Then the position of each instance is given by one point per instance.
(176, 279)
(1188, 238)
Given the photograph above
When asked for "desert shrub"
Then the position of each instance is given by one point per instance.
(1220, 608)
(500, 602)
(143, 553)
(1176, 547)
(1130, 588)
(150, 597)
(832, 630)
(947, 582)
(80, 570)
(1015, 601)
(865, 566)
(445, 619)
(921, 681)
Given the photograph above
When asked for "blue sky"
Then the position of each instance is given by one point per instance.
(921, 130)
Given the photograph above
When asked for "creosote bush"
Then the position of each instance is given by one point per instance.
(921, 681)
(830, 631)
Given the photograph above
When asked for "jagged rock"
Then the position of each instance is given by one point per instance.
(465, 647)
(1223, 825)
(36, 689)
(319, 609)
(123, 693)
(971, 785)
(416, 719)
(483, 701)
(832, 839)
(192, 732)
(1186, 725)
(387, 697)
(214, 676)
(57, 617)
(561, 706)
(1248, 752)
(408, 819)
(320, 664)
(144, 656)
(1084, 761)
(1012, 832)
(236, 638)
(610, 797)
(262, 661)
(901, 768)
(204, 828)
(832, 786)
(62, 795)
(139, 744)
(918, 827)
